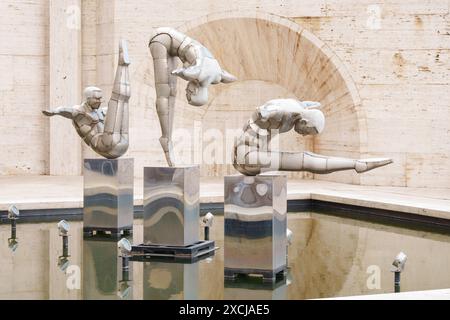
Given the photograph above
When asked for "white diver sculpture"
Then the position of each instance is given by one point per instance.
(200, 69)
(252, 154)
(104, 130)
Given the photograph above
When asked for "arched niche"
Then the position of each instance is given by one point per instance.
(274, 57)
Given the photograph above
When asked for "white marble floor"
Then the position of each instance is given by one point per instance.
(51, 192)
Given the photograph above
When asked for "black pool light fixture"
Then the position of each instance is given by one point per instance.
(13, 216)
(125, 247)
(207, 220)
(13, 213)
(399, 266)
(63, 228)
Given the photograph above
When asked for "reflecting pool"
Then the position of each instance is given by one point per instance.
(330, 256)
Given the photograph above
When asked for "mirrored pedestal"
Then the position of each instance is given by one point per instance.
(255, 225)
(171, 206)
(108, 196)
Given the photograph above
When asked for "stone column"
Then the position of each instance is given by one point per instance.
(65, 84)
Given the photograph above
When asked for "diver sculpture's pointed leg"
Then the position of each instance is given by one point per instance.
(365, 165)
(125, 125)
(171, 64)
(302, 161)
(323, 164)
(168, 150)
(165, 96)
(114, 139)
(118, 103)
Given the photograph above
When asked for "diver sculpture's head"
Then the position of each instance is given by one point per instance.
(200, 77)
(93, 97)
(312, 120)
(196, 94)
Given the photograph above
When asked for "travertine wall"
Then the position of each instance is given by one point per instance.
(380, 68)
(400, 63)
(24, 84)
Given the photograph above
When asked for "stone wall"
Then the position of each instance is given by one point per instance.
(24, 84)
(398, 55)
(380, 68)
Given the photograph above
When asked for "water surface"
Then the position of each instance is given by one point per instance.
(330, 256)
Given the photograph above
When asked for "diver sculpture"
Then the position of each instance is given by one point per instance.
(252, 154)
(200, 69)
(105, 130)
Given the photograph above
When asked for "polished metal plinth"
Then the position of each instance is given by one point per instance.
(171, 206)
(108, 196)
(103, 275)
(255, 225)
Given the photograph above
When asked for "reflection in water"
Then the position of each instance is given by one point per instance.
(13, 244)
(329, 256)
(102, 270)
(323, 255)
(125, 290)
(171, 281)
(253, 288)
(63, 263)
(13, 216)
(333, 256)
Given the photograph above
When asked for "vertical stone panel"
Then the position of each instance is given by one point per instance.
(65, 84)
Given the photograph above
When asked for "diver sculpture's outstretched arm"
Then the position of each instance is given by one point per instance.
(66, 112)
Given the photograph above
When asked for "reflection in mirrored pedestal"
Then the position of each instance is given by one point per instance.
(171, 281)
(255, 225)
(108, 195)
(245, 287)
(103, 277)
(171, 206)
